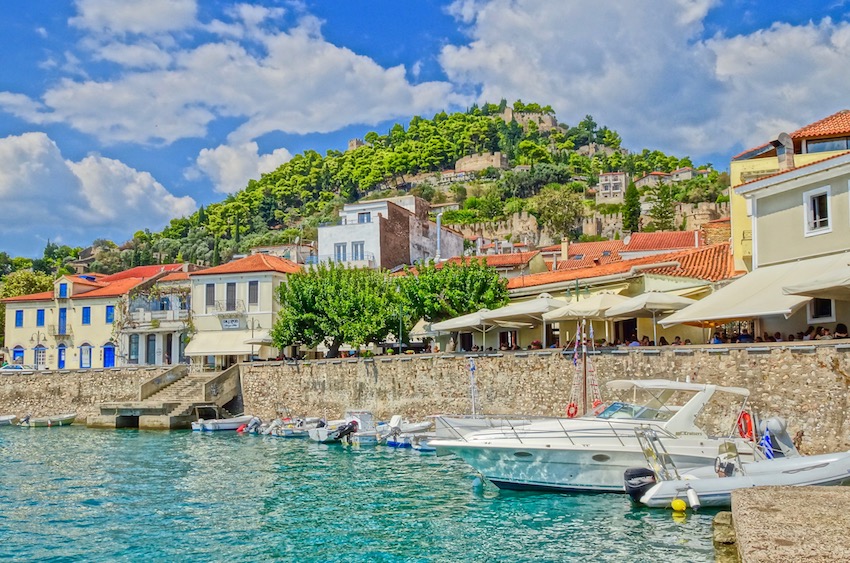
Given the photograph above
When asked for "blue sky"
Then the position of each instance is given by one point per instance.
(117, 115)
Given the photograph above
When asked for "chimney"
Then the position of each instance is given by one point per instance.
(565, 249)
(784, 151)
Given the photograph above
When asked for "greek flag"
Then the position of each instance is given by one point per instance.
(766, 444)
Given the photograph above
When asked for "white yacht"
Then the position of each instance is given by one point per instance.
(591, 453)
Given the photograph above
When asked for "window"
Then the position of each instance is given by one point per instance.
(357, 250)
(85, 356)
(39, 317)
(821, 311)
(231, 296)
(86, 315)
(18, 355)
(339, 252)
(133, 354)
(110, 314)
(364, 217)
(210, 299)
(816, 203)
(63, 290)
(19, 318)
(825, 145)
(253, 293)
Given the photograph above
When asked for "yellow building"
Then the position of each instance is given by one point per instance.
(80, 323)
(822, 139)
(233, 309)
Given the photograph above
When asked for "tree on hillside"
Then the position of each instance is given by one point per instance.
(558, 209)
(662, 210)
(21, 282)
(631, 209)
(336, 305)
(453, 289)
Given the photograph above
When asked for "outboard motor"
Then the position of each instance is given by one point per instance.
(638, 480)
(253, 425)
(322, 423)
(774, 432)
(346, 429)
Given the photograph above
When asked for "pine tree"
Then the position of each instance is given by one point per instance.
(631, 209)
(662, 211)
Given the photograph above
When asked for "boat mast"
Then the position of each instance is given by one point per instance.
(583, 369)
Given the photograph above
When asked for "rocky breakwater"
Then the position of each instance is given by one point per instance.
(808, 385)
(49, 393)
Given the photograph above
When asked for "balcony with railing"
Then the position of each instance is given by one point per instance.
(60, 330)
(228, 307)
(167, 308)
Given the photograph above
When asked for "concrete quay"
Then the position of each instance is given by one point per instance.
(775, 524)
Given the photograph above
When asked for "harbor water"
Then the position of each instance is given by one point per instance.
(74, 494)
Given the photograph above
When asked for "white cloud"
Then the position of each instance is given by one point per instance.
(57, 199)
(230, 167)
(291, 80)
(650, 73)
(134, 16)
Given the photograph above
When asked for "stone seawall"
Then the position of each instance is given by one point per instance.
(58, 392)
(808, 385)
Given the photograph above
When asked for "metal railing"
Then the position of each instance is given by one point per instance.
(230, 306)
(368, 258)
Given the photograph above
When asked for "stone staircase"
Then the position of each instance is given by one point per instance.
(171, 400)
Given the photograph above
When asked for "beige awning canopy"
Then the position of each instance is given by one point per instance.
(223, 343)
(593, 307)
(759, 293)
(831, 285)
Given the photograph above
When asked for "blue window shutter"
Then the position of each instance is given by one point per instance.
(110, 314)
(86, 315)
(19, 318)
(39, 317)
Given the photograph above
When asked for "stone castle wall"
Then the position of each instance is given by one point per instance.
(808, 387)
(806, 384)
(481, 161)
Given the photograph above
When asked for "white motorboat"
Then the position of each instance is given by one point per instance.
(7, 419)
(218, 424)
(398, 433)
(358, 429)
(591, 453)
(712, 485)
(292, 427)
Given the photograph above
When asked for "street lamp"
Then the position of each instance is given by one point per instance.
(36, 339)
(255, 324)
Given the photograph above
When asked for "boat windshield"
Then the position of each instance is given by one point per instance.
(627, 410)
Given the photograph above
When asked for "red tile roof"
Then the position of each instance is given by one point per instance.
(142, 272)
(83, 281)
(836, 124)
(114, 289)
(588, 261)
(174, 276)
(253, 263)
(43, 296)
(661, 240)
(712, 263)
(623, 267)
(752, 150)
(587, 248)
(497, 260)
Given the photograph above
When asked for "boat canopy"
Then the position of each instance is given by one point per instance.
(666, 384)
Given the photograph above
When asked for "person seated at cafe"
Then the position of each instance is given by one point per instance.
(716, 339)
(677, 341)
(663, 342)
(840, 331)
(745, 337)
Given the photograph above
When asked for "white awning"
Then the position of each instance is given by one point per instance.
(220, 343)
(831, 285)
(525, 311)
(758, 294)
(471, 321)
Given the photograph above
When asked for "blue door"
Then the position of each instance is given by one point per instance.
(109, 356)
(63, 317)
(60, 356)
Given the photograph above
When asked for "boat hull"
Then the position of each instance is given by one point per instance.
(8, 420)
(50, 421)
(713, 491)
(222, 424)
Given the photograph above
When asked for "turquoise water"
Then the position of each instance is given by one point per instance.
(73, 494)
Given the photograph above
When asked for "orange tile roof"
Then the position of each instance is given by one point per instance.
(80, 280)
(621, 267)
(174, 276)
(661, 240)
(498, 260)
(836, 124)
(711, 263)
(142, 272)
(752, 150)
(780, 173)
(253, 263)
(588, 261)
(43, 296)
(114, 289)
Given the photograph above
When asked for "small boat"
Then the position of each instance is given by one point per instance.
(400, 434)
(7, 419)
(357, 430)
(218, 424)
(292, 427)
(661, 484)
(45, 421)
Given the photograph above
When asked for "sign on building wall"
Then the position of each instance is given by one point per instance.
(228, 324)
